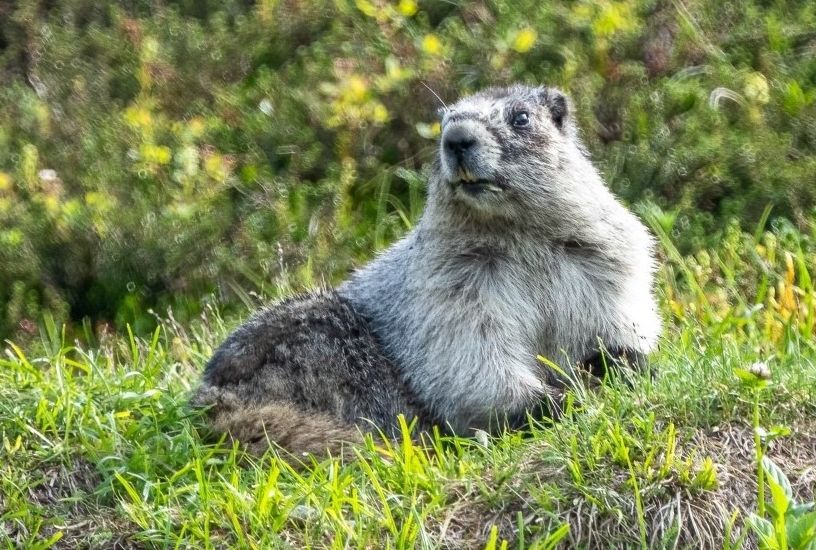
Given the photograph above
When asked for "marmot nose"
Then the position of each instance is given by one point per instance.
(458, 140)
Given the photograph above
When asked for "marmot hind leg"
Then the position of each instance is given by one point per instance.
(258, 427)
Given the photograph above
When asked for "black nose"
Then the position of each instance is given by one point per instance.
(458, 141)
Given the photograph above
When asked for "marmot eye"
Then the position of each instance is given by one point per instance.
(521, 119)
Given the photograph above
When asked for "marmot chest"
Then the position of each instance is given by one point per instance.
(550, 304)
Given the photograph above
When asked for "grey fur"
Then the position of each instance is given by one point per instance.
(521, 251)
(314, 354)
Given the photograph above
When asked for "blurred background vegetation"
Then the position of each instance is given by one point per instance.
(159, 154)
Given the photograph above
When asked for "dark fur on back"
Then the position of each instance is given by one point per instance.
(311, 356)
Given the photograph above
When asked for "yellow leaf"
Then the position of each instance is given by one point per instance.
(10, 449)
(790, 273)
(5, 181)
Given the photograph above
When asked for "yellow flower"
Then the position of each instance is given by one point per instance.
(150, 49)
(356, 89)
(525, 40)
(52, 204)
(156, 154)
(5, 181)
(380, 113)
(613, 18)
(428, 131)
(215, 167)
(196, 126)
(72, 208)
(12, 238)
(95, 200)
(367, 8)
(137, 116)
(407, 7)
(431, 44)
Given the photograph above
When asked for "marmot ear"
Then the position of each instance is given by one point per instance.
(558, 105)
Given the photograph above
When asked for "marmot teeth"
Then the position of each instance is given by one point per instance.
(466, 176)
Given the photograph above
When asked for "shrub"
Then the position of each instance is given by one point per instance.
(154, 155)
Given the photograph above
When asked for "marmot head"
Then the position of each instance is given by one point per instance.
(504, 151)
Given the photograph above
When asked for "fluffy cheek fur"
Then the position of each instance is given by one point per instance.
(526, 191)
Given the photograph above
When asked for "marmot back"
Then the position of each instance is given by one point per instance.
(521, 251)
(301, 374)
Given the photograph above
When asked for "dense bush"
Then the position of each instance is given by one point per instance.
(152, 154)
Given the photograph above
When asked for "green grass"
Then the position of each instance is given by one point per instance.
(99, 448)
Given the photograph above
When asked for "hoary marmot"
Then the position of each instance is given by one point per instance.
(521, 251)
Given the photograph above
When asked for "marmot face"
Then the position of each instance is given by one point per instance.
(501, 149)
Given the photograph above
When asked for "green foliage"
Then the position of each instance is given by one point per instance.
(155, 154)
(99, 447)
(791, 525)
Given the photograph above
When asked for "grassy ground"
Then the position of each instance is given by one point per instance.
(98, 448)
